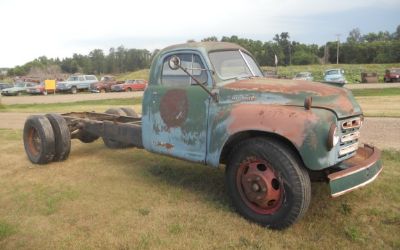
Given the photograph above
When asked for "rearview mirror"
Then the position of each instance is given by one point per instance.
(174, 63)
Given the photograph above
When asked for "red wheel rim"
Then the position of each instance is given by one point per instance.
(34, 143)
(259, 186)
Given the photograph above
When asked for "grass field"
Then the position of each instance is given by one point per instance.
(131, 199)
(140, 74)
(352, 71)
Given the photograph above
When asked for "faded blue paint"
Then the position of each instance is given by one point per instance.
(209, 125)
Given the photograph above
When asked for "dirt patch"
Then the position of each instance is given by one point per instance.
(381, 132)
(8, 100)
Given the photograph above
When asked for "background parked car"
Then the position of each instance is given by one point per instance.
(104, 85)
(130, 85)
(18, 89)
(306, 76)
(5, 85)
(392, 75)
(76, 83)
(335, 76)
(39, 89)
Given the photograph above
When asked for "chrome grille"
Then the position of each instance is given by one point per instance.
(350, 135)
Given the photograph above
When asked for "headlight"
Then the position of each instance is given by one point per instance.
(333, 137)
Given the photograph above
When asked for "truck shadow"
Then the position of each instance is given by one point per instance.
(173, 176)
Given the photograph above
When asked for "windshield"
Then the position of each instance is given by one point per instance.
(73, 78)
(332, 72)
(234, 64)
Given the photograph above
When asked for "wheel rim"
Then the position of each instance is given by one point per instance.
(260, 186)
(34, 142)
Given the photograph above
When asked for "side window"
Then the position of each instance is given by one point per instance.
(92, 78)
(81, 78)
(178, 78)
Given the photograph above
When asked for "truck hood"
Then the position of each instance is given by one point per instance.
(292, 92)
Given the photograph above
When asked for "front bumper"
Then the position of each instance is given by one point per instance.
(357, 171)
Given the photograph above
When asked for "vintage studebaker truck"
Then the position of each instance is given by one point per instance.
(209, 103)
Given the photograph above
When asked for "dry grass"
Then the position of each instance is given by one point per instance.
(382, 106)
(131, 199)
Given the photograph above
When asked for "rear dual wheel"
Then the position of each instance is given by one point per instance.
(46, 138)
(267, 183)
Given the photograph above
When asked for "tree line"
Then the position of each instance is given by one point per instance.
(380, 47)
(119, 60)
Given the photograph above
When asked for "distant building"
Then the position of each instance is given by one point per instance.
(3, 71)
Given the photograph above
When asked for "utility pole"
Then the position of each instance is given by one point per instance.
(337, 49)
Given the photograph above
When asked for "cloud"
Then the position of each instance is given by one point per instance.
(59, 28)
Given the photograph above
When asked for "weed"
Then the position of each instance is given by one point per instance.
(345, 209)
(6, 230)
(175, 228)
(249, 244)
(144, 211)
(353, 234)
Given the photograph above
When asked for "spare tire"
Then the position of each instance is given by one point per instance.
(39, 139)
(110, 143)
(130, 112)
(87, 137)
(62, 136)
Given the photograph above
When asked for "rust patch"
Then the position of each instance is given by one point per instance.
(292, 123)
(174, 108)
(168, 146)
(285, 86)
(295, 87)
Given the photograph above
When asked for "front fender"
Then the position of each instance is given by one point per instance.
(306, 130)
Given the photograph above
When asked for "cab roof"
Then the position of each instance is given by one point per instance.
(207, 46)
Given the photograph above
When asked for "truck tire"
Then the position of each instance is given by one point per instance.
(39, 142)
(110, 143)
(267, 183)
(130, 112)
(74, 90)
(62, 136)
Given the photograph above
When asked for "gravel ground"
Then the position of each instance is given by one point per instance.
(381, 132)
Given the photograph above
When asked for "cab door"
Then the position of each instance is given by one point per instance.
(175, 121)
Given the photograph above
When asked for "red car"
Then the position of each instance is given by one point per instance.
(38, 90)
(130, 85)
(392, 75)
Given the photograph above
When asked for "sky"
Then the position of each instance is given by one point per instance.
(59, 28)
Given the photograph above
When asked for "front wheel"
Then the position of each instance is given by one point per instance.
(74, 90)
(267, 183)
